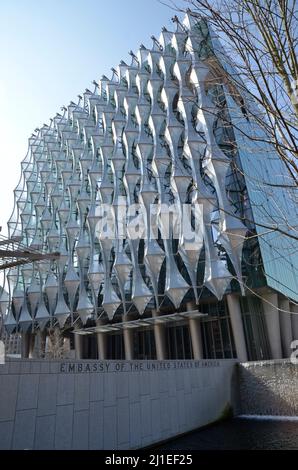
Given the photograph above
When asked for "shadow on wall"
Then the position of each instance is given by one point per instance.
(267, 388)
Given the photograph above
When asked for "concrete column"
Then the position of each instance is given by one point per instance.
(31, 345)
(25, 345)
(102, 346)
(294, 310)
(160, 339)
(285, 327)
(195, 333)
(237, 327)
(271, 313)
(78, 340)
(128, 343)
(102, 342)
(196, 338)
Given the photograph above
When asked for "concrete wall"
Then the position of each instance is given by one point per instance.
(108, 405)
(268, 388)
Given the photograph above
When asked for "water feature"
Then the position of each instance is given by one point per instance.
(241, 433)
(266, 409)
(267, 388)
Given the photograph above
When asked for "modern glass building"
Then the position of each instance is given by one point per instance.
(175, 229)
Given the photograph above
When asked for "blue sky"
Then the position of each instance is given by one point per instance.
(50, 52)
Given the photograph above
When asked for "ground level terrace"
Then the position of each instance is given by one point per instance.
(256, 327)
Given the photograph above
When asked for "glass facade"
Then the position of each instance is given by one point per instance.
(255, 329)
